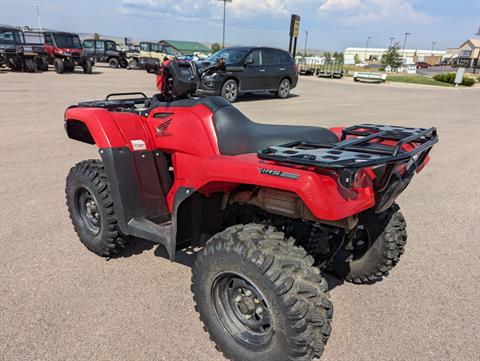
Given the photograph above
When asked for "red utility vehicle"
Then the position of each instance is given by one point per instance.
(271, 205)
(65, 51)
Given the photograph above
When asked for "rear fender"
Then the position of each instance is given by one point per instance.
(321, 193)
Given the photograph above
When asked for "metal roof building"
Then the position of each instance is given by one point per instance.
(189, 47)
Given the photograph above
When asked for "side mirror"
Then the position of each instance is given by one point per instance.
(249, 61)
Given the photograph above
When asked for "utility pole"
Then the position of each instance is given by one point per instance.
(404, 43)
(391, 42)
(38, 18)
(224, 11)
(305, 48)
(366, 48)
(478, 56)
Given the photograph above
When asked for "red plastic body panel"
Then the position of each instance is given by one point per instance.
(188, 134)
(52, 50)
(321, 193)
(112, 129)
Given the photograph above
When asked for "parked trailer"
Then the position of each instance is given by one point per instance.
(332, 69)
(369, 77)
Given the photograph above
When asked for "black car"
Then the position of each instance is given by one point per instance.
(248, 70)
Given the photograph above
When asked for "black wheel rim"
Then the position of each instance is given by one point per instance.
(242, 310)
(231, 91)
(361, 242)
(87, 210)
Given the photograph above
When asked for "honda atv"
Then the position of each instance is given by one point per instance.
(271, 206)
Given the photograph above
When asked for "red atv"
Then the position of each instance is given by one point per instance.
(271, 206)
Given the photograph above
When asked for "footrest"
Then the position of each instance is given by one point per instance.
(157, 233)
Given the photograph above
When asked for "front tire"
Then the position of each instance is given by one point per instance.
(283, 90)
(87, 66)
(59, 66)
(113, 63)
(91, 210)
(259, 296)
(377, 246)
(132, 64)
(230, 90)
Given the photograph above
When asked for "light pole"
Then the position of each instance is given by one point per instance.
(433, 46)
(305, 48)
(366, 48)
(404, 43)
(38, 18)
(391, 42)
(224, 10)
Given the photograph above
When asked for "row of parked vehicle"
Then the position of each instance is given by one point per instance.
(25, 49)
(228, 73)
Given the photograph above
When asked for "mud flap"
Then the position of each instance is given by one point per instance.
(138, 198)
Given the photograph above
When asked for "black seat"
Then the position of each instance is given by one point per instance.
(237, 134)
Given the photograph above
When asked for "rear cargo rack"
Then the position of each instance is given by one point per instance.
(360, 146)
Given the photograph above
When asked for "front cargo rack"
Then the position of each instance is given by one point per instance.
(360, 146)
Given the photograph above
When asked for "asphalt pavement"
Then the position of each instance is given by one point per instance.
(59, 302)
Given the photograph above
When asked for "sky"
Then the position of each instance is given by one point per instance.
(331, 24)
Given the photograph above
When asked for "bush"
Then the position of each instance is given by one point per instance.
(468, 81)
(450, 78)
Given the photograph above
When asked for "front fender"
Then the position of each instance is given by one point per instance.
(97, 126)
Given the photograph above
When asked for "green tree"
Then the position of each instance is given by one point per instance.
(327, 56)
(215, 47)
(96, 36)
(357, 59)
(338, 57)
(392, 57)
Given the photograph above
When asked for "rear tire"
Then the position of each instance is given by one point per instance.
(230, 90)
(259, 296)
(90, 206)
(59, 66)
(384, 237)
(123, 63)
(30, 66)
(113, 63)
(87, 66)
(283, 90)
(42, 64)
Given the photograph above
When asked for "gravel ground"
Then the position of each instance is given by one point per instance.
(60, 302)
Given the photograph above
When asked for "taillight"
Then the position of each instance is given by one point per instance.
(361, 178)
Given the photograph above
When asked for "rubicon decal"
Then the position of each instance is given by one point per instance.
(278, 173)
(163, 128)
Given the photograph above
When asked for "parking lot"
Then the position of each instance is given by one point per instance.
(58, 301)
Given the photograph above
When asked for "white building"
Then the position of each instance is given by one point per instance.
(375, 54)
